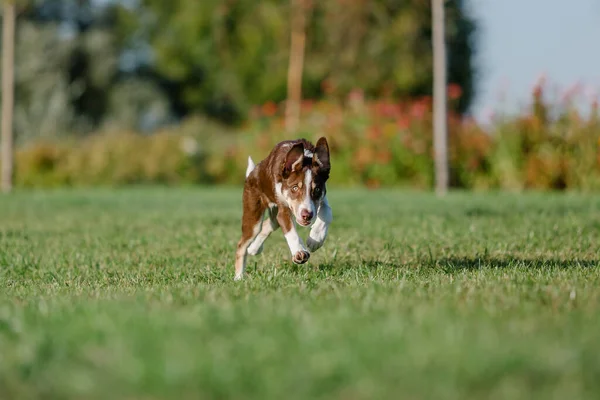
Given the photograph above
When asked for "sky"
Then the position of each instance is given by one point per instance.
(520, 40)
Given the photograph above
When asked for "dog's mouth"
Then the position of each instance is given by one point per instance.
(302, 222)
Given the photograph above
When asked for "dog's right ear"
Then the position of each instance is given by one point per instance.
(321, 157)
(293, 160)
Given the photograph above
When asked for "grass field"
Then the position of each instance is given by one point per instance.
(129, 294)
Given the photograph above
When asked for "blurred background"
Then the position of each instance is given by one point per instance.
(111, 92)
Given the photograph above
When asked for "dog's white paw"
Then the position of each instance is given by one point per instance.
(317, 236)
(301, 257)
(254, 250)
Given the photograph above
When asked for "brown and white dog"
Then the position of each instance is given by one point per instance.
(290, 185)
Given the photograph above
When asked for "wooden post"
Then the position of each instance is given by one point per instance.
(440, 128)
(294, 79)
(8, 56)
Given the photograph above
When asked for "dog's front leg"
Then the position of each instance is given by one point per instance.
(318, 232)
(299, 253)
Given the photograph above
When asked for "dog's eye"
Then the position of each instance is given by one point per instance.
(317, 190)
(295, 188)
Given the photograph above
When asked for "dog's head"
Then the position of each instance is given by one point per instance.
(304, 172)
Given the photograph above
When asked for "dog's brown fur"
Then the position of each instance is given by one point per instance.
(279, 184)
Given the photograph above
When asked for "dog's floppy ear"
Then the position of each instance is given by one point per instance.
(321, 155)
(293, 159)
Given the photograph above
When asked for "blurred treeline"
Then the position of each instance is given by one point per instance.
(93, 65)
(208, 79)
(550, 146)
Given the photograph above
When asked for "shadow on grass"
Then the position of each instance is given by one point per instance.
(340, 267)
(455, 264)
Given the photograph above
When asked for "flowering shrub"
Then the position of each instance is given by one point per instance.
(551, 145)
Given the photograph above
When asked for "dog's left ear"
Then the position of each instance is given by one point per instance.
(321, 155)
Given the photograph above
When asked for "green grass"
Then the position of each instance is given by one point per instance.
(130, 294)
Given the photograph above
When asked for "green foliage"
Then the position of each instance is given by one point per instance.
(224, 57)
(220, 57)
(550, 146)
(119, 158)
(43, 104)
(373, 144)
(130, 295)
(83, 65)
(68, 75)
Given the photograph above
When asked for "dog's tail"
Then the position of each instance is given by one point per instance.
(250, 167)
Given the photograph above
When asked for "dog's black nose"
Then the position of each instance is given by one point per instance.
(306, 215)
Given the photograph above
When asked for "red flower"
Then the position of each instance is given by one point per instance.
(403, 122)
(307, 105)
(269, 109)
(419, 109)
(374, 132)
(571, 92)
(454, 91)
(356, 95)
(538, 87)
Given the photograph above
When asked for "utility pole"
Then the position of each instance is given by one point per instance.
(294, 78)
(440, 127)
(8, 62)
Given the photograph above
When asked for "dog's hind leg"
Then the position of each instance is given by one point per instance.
(251, 226)
(269, 225)
(318, 232)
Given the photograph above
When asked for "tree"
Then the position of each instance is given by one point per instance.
(8, 59)
(297, 45)
(222, 57)
(73, 73)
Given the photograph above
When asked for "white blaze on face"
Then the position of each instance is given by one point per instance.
(307, 203)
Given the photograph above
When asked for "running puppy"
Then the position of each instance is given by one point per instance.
(290, 185)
